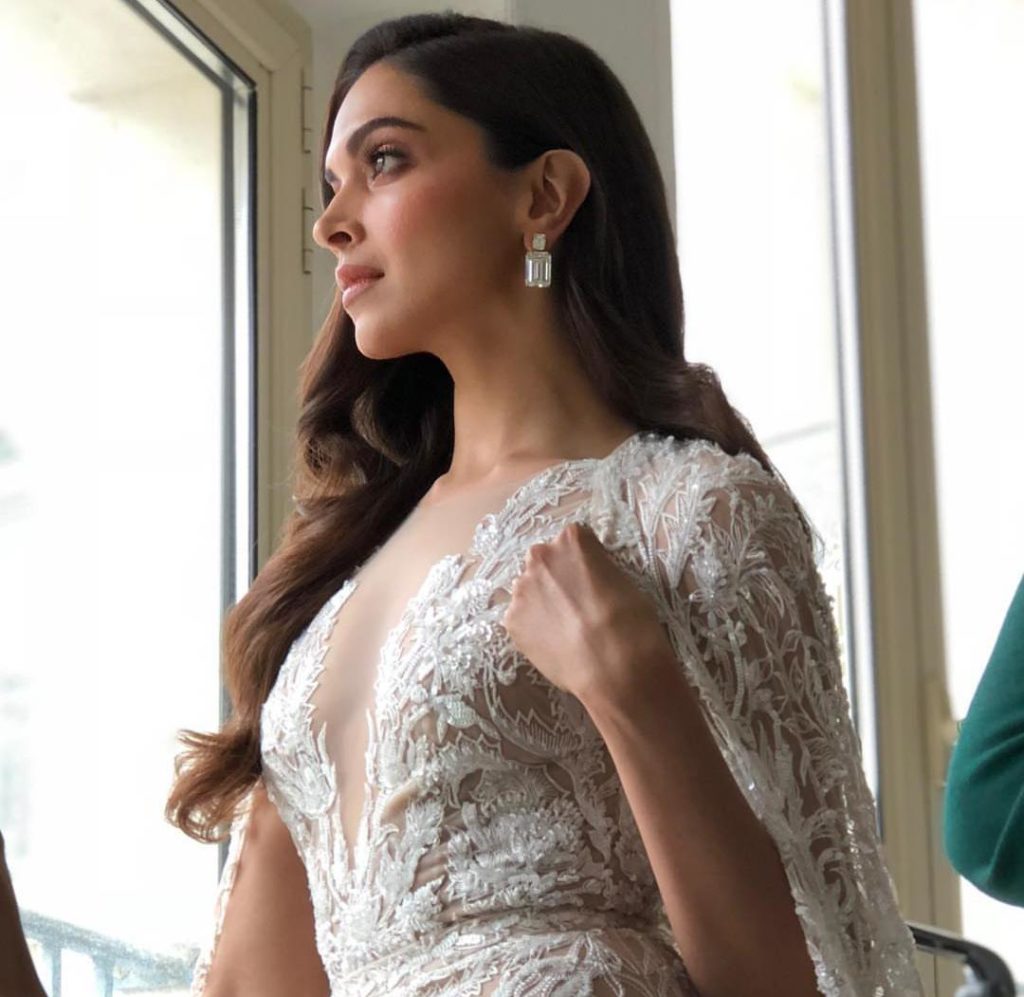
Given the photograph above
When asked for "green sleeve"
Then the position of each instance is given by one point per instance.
(983, 817)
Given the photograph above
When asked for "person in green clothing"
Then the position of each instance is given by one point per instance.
(983, 816)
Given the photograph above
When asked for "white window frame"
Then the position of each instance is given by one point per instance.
(913, 713)
(273, 45)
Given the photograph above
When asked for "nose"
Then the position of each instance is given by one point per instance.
(326, 231)
(335, 225)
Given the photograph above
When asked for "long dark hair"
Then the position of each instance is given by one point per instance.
(373, 435)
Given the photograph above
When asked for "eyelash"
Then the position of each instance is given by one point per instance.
(383, 150)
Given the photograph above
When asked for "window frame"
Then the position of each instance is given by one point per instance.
(896, 435)
(273, 46)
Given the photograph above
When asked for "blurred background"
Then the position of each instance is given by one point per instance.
(849, 214)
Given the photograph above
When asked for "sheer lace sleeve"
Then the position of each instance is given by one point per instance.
(743, 604)
(239, 826)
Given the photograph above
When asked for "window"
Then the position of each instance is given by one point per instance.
(755, 237)
(971, 86)
(126, 471)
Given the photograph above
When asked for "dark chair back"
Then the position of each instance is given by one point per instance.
(989, 975)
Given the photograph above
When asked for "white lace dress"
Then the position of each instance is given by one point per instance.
(461, 822)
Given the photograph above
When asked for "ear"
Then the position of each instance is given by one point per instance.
(555, 185)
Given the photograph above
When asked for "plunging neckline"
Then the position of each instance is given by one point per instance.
(352, 851)
(495, 517)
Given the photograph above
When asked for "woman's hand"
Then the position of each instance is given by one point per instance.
(581, 620)
(17, 972)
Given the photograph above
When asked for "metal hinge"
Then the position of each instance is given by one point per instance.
(309, 211)
(307, 101)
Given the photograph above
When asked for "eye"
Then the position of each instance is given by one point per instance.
(383, 151)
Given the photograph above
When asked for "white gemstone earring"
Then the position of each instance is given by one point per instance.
(538, 263)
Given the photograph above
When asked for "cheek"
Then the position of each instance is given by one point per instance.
(411, 219)
(440, 226)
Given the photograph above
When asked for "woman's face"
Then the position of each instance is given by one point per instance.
(422, 205)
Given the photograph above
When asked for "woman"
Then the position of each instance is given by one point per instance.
(539, 693)
(984, 804)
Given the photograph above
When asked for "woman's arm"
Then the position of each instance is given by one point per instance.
(17, 972)
(984, 802)
(752, 635)
(266, 942)
(723, 886)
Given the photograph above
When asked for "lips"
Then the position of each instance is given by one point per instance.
(350, 273)
(356, 288)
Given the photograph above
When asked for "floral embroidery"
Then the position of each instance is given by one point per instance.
(496, 851)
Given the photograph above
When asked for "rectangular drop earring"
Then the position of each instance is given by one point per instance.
(538, 263)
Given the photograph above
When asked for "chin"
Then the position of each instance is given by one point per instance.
(378, 347)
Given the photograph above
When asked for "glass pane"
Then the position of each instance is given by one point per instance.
(123, 360)
(751, 123)
(971, 98)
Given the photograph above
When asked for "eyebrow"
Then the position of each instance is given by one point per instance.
(364, 129)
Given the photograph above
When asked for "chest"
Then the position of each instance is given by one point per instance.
(411, 651)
